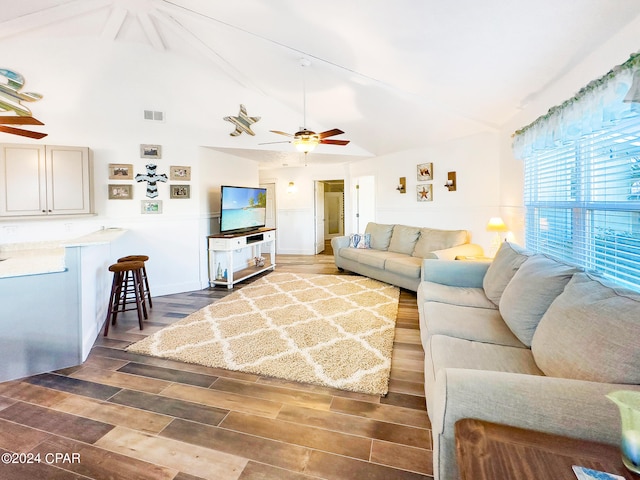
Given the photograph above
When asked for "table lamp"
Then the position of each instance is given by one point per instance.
(496, 225)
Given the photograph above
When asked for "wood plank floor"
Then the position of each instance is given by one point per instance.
(126, 416)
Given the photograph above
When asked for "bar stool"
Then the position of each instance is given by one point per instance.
(123, 294)
(141, 258)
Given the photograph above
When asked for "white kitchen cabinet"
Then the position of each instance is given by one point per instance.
(44, 180)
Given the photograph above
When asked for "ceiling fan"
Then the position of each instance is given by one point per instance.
(304, 139)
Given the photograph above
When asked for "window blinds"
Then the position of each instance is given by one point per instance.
(582, 201)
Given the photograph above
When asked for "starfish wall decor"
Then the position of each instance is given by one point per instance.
(242, 122)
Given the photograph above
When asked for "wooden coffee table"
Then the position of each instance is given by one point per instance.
(489, 451)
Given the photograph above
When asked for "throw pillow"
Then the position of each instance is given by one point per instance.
(354, 240)
(380, 235)
(365, 241)
(526, 298)
(403, 239)
(590, 332)
(432, 239)
(502, 269)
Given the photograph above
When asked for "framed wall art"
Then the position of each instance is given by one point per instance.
(424, 192)
(151, 151)
(425, 172)
(120, 192)
(120, 171)
(180, 191)
(151, 206)
(179, 172)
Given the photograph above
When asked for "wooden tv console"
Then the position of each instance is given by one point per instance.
(221, 249)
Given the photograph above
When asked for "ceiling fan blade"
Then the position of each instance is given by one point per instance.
(271, 143)
(281, 133)
(15, 120)
(24, 133)
(330, 133)
(334, 142)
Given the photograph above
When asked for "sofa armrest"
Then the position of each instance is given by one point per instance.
(572, 408)
(465, 250)
(339, 242)
(455, 273)
(562, 406)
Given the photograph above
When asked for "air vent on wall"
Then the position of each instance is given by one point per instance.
(154, 116)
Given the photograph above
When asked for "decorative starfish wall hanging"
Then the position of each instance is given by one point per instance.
(151, 177)
(242, 122)
(10, 101)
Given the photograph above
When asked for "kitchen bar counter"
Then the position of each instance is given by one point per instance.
(53, 302)
(35, 258)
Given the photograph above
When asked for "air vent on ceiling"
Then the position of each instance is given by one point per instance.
(154, 116)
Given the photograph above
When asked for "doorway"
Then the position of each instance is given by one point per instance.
(329, 211)
(270, 220)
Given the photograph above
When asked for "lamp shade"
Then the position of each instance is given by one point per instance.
(305, 141)
(496, 225)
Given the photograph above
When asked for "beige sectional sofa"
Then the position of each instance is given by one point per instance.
(394, 253)
(525, 341)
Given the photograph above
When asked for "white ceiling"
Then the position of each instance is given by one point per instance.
(393, 75)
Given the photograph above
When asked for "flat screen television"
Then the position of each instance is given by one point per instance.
(242, 209)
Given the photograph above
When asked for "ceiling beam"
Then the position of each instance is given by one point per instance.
(151, 31)
(187, 36)
(114, 23)
(50, 15)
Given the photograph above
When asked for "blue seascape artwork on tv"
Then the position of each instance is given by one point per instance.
(242, 208)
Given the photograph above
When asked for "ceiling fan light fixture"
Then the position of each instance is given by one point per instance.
(305, 141)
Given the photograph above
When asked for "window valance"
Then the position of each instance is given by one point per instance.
(601, 103)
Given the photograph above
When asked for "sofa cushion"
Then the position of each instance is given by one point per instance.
(380, 235)
(443, 351)
(432, 239)
(403, 239)
(526, 298)
(468, 323)
(350, 253)
(463, 296)
(369, 257)
(405, 266)
(502, 269)
(590, 332)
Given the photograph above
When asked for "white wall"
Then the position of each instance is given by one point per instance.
(475, 160)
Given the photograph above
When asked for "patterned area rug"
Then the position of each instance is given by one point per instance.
(331, 330)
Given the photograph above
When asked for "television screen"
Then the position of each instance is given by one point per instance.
(242, 208)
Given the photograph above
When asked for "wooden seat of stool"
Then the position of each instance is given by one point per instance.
(120, 278)
(140, 258)
(126, 266)
(134, 258)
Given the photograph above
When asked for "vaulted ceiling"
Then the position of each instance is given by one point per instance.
(392, 75)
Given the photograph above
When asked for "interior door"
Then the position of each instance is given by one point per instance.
(319, 215)
(364, 198)
(333, 214)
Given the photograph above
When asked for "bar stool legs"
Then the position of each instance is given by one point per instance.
(123, 294)
(141, 258)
